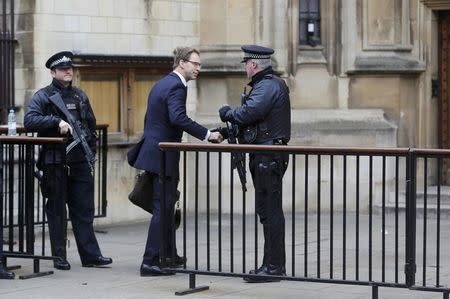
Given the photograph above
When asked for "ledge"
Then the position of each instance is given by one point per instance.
(387, 64)
(311, 55)
(219, 59)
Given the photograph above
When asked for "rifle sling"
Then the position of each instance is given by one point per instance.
(59, 103)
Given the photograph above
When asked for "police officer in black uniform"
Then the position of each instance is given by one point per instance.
(48, 120)
(265, 118)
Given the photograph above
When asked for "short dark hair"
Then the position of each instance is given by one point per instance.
(182, 53)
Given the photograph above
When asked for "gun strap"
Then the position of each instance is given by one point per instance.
(57, 100)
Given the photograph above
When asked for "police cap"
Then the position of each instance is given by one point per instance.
(60, 60)
(256, 52)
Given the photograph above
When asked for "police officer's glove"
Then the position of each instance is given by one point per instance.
(222, 131)
(223, 112)
(64, 128)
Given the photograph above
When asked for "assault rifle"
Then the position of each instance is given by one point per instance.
(78, 134)
(79, 137)
(237, 158)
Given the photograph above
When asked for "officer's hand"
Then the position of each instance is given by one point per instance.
(64, 128)
(223, 113)
(222, 131)
(215, 137)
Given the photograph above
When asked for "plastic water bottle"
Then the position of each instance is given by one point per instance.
(12, 125)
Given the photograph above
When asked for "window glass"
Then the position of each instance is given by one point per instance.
(309, 29)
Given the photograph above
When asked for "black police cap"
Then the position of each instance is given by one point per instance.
(60, 60)
(256, 52)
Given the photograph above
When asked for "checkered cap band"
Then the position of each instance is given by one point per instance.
(248, 56)
(61, 60)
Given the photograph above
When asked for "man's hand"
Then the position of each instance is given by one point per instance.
(64, 128)
(215, 137)
(223, 113)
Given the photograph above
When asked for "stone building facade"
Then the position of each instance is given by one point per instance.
(360, 72)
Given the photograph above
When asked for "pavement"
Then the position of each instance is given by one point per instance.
(125, 244)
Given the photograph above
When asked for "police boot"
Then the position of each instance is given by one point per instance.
(4, 273)
(266, 273)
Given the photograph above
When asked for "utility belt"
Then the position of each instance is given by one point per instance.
(254, 135)
(276, 141)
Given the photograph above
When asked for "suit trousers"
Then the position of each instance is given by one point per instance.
(153, 245)
(79, 189)
(267, 173)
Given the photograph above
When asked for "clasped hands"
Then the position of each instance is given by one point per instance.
(216, 136)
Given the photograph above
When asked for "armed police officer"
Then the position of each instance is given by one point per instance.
(57, 110)
(265, 118)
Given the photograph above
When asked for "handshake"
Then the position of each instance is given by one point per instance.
(217, 135)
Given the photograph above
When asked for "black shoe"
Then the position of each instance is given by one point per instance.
(153, 270)
(265, 272)
(98, 261)
(61, 264)
(177, 262)
(257, 270)
(5, 274)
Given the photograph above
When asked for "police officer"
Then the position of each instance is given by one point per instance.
(49, 119)
(265, 118)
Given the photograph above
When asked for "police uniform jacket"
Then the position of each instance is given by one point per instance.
(43, 117)
(267, 108)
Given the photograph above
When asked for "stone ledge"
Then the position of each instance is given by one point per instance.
(223, 59)
(333, 127)
(387, 64)
(342, 127)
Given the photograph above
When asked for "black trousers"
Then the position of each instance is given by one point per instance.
(153, 245)
(267, 173)
(79, 190)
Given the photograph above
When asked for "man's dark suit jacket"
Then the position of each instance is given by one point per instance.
(165, 121)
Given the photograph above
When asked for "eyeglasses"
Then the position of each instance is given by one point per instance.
(197, 64)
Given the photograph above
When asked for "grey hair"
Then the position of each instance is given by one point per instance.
(263, 63)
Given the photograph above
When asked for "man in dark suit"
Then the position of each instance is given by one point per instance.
(165, 121)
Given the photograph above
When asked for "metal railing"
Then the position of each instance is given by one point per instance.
(350, 216)
(23, 214)
(22, 203)
(100, 195)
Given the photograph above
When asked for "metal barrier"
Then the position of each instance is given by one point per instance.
(23, 213)
(428, 201)
(352, 217)
(101, 165)
(21, 191)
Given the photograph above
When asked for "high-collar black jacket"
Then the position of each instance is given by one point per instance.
(43, 116)
(267, 107)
